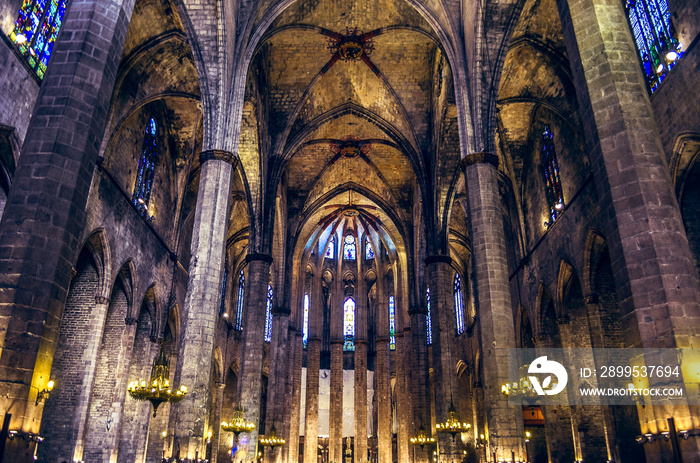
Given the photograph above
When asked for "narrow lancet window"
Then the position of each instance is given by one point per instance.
(305, 329)
(239, 301)
(349, 324)
(146, 169)
(459, 305)
(349, 248)
(369, 252)
(268, 315)
(392, 324)
(330, 250)
(428, 319)
(550, 174)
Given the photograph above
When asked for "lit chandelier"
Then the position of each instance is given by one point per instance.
(157, 390)
(272, 440)
(521, 389)
(238, 424)
(452, 425)
(421, 438)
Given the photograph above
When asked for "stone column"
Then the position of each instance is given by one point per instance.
(65, 417)
(360, 400)
(40, 238)
(312, 379)
(215, 426)
(335, 445)
(294, 389)
(418, 376)
(492, 296)
(250, 377)
(276, 400)
(403, 400)
(438, 272)
(384, 415)
(201, 308)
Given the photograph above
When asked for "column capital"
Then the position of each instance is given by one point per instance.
(314, 339)
(418, 311)
(130, 321)
(102, 300)
(591, 299)
(361, 342)
(384, 339)
(476, 158)
(438, 259)
(281, 310)
(219, 155)
(337, 341)
(262, 257)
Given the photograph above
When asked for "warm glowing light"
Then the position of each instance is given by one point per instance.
(49, 385)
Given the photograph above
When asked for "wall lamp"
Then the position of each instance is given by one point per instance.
(44, 393)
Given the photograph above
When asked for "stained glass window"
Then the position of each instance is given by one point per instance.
(239, 301)
(330, 250)
(392, 324)
(658, 48)
(268, 315)
(349, 248)
(224, 281)
(428, 318)
(459, 305)
(147, 166)
(369, 252)
(305, 329)
(550, 173)
(349, 324)
(36, 29)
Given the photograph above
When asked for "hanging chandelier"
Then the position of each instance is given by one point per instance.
(452, 425)
(422, 438)
(272, 440)
(238, 424)
(157, 390)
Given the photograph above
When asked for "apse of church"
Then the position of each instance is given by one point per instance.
(330, 231)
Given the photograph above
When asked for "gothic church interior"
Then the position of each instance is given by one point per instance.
(299, 231)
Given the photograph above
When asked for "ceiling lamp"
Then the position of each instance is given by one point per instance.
(238, 424)
(157, 390)
(421, 438)
(452, 425)
(272, 440)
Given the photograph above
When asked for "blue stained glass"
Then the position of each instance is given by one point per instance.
(392, 324)
(650, 21)
(330, 250)
(349, 248)
(459, 305)
(369, 252)
(146, 169)
(239, 301)
(428, 318)
(305, 329)
(349, 324)
(550, 172)
(268, 315)
(36, 30)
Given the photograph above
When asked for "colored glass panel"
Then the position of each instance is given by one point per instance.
(459, 305)
(369, 252)
(146, 169)
(550, 174)
(268, 315)
(349, 324)
(239, 301)
(36, 30)
(349, 248)
(392, 324)
(428, 318)
(305, 329)
(654, 36)
(330, 250)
